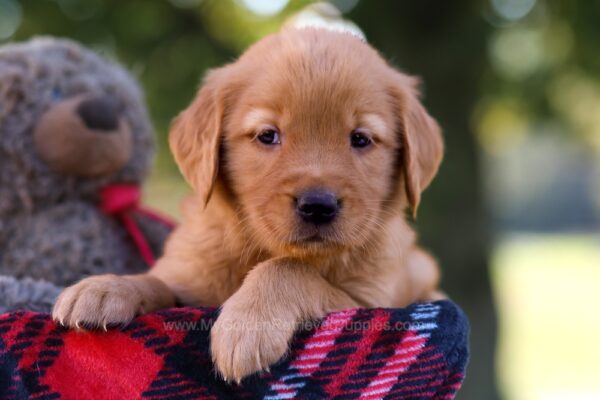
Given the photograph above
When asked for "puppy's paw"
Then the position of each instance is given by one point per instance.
(244, 342)
(98, 302)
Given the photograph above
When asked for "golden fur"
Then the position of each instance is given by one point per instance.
(240, 244)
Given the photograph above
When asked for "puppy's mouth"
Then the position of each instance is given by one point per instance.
(316, 238)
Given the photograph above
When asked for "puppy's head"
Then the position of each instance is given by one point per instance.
(315, 137)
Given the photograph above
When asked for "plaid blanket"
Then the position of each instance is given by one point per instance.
(419, 352)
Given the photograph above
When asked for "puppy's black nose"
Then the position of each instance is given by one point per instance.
(317, 206)
(99, 113)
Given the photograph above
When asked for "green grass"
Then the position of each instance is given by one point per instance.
(548, 292)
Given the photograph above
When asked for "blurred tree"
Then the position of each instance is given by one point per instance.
(544, 70)
(537, 121)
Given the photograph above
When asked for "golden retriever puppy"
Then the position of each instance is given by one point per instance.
(303, 155)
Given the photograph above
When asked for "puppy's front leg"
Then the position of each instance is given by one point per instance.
(258, 321)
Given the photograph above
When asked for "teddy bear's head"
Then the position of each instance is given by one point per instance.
(71, 123)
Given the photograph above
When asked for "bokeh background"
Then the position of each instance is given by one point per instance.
(514, 215)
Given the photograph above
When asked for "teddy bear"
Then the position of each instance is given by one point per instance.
(76, 144)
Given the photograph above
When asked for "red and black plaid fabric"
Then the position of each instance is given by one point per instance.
(419, 352)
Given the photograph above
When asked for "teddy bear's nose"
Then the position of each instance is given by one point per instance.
(99, 113)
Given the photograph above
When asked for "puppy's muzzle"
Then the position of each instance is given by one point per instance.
(317, 206)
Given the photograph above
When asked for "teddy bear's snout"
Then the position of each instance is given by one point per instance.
(84, 136)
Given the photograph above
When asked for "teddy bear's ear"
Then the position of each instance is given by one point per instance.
(195, 135)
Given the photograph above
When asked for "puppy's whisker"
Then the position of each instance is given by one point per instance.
(384, 231)
(253, 242)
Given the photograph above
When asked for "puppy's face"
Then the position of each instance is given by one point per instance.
(317, 139)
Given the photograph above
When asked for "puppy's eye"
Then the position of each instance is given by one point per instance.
(269, 137)
(359, 140)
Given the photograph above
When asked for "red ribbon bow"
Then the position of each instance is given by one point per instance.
(121, 201)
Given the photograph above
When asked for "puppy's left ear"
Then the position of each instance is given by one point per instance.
(422, 146)
(195, 135)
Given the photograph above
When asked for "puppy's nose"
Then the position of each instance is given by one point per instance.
(317, 206)
(99, 114)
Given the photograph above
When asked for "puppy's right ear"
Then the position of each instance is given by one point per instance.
(195, 135)
(421, 138)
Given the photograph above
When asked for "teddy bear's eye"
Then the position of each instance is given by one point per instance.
(269, 136)
(56, 93)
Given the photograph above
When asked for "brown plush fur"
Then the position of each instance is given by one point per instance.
(241, 245)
